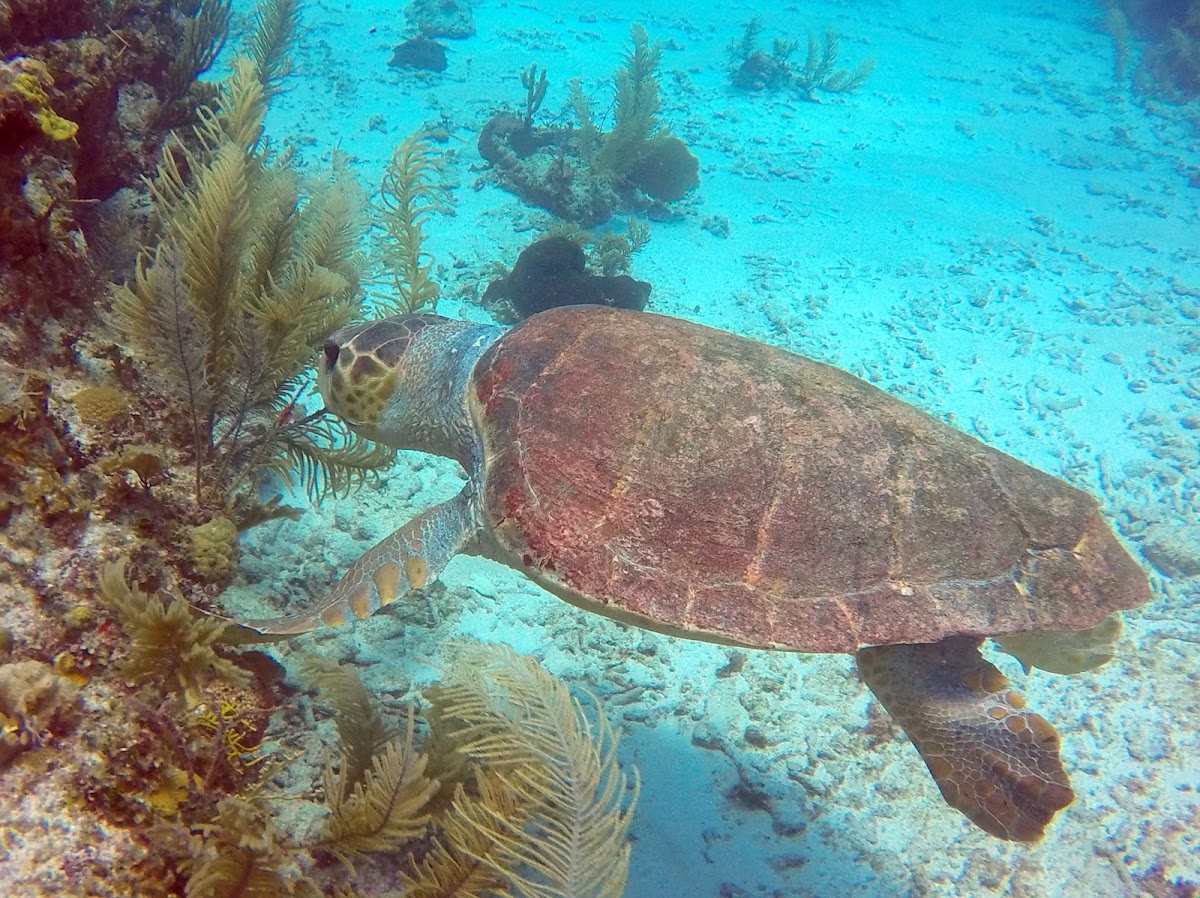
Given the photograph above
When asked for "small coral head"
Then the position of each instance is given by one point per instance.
(364, 368)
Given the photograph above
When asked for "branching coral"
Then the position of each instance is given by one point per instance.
(227, 308)
(754, 68)
(168, 644)
(410, 193)
(515, 792)
(535, 84)
(584, 174)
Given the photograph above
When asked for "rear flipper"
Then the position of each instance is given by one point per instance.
(410, 558)
(993, 760)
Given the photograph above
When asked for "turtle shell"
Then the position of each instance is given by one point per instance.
(699, 483)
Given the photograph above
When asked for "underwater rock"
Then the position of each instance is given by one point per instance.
(760, 70)
(552, 273)
(543, 168)
(419, 53)
(546, 167)
(583, 174)
(441, 18)
(1173, 549)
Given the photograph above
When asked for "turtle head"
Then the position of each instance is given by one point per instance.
(400, 381)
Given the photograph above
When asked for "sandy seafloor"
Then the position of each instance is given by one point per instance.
(992, 229)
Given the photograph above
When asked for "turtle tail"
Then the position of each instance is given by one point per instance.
(993, 760)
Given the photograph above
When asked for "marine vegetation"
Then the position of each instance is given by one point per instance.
(229, 303)
(85, 96)
(410, 193)
(1168, 66)
(752, 68)
(168, 645)
(513, 791)
(204, 36)
(585, 174)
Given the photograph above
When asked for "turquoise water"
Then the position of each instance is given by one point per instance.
(992, 228)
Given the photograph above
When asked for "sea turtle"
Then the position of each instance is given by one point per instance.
(708, 486)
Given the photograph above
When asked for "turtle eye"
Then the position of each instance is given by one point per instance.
(331, 350)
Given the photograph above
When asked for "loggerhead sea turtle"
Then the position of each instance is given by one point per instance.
(704, 485)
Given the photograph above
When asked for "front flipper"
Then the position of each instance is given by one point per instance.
(410, 558)
(993, 760)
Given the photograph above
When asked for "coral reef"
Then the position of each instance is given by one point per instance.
(1169, 65)
(147, 432)
(46, 491)
(84, 93)
(583, 174)
(752, 68)
(551, 272)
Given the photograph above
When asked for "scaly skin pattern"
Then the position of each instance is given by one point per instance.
(408, 559)
(691, 481)
(993, 760)
(400, 381)
(688, 479)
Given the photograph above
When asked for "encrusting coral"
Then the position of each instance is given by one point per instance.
(35, 703)
(213, 548)
(45, 493)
